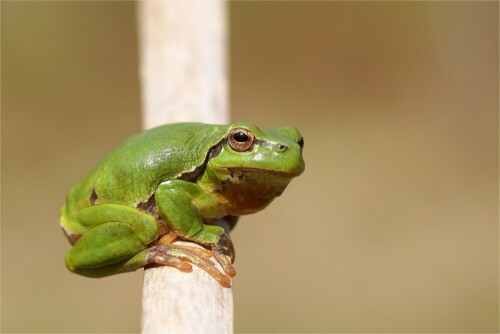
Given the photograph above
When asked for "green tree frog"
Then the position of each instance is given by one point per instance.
(176, 182)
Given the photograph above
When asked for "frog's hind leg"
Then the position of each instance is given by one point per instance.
(180, 257)
(120, 239)
(115, 238)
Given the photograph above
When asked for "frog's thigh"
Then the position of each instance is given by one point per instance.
(116, 234)
(174, 200)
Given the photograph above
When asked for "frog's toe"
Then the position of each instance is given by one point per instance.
(171, 261)
(224, 261)
(170, 237)
(201, 252)
(182, 257)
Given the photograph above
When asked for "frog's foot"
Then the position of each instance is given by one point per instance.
(223, 252)
(181, 257)
(167, 240)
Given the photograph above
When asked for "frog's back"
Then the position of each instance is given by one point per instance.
(130, 174)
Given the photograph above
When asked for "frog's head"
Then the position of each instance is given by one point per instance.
(255, 165)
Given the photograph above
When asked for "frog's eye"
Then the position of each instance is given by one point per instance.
(241, 140)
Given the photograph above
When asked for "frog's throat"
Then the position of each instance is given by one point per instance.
(248, 190)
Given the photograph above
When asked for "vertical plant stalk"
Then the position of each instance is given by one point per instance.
(183, 71)
(183, 67)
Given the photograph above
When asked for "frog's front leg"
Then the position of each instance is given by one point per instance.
(183, 204)
(119, 240)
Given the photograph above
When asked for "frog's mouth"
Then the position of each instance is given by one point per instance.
(244, 170)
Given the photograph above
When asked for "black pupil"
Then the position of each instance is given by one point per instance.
(240, 137)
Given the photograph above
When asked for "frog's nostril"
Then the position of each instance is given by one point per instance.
(282, 147)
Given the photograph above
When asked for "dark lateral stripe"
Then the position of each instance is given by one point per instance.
(93, 197)
(212, 153)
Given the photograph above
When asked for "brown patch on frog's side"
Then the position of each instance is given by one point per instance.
(93, 197)
(149, 207)
(72, 238)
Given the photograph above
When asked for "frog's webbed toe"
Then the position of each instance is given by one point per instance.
(182, 258)
(223, 252)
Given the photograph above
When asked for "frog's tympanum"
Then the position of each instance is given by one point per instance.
(176, 182)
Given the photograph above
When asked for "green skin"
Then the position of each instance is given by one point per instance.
(179, 181)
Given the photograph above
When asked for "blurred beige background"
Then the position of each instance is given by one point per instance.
(392, 228)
